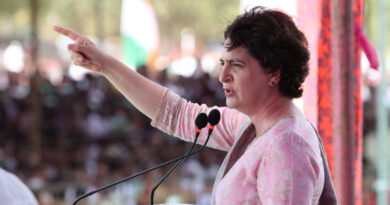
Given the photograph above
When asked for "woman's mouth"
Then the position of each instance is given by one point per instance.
(228, 92)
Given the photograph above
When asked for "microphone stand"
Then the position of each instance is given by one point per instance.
(139, 173)
(214, 117)
(174, 167)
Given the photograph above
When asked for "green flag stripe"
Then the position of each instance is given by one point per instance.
(133, 53)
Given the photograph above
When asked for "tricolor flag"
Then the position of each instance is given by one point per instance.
(139, 33)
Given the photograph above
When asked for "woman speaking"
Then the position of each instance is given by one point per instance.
(274, 154)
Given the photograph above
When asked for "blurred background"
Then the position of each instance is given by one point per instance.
(65, 130)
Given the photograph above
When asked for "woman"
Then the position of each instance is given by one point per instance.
(274, 154)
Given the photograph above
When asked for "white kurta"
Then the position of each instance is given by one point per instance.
(13, 191)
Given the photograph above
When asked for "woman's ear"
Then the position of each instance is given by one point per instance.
(274, 78)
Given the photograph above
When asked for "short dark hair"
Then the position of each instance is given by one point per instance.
(273, 39)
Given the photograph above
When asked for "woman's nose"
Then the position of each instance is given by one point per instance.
(225, 76)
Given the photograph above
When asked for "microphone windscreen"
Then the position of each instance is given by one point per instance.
(214, 117)
(201, 120)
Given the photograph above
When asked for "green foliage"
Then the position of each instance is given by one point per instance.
(207, 18)
(8, 7)
(75, 14)
(371, 20)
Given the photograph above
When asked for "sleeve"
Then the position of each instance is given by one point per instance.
(176, 116)
(288, 172)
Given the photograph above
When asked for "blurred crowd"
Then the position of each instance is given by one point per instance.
(91, 135)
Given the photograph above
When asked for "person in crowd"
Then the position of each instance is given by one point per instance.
(274, 154)
(13, 191)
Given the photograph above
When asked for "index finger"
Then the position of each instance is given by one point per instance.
(69, 33)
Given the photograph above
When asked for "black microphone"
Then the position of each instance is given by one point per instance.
(213, 119)
(200, 122)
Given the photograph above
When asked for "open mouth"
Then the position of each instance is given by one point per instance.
(228, 92)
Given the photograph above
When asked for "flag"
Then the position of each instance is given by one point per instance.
(139, 33)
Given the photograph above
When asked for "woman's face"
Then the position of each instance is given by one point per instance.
(245, 82)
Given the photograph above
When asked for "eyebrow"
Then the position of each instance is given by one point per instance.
(233, 60)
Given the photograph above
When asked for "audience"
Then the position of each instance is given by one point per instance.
(92, 136)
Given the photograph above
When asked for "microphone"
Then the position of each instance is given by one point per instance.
(200, 122)
(213, 119)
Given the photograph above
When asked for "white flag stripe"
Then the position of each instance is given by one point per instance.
(139, 21)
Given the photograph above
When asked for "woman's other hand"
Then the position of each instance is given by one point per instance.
(84, 52)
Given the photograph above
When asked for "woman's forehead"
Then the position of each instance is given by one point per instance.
(237, 53)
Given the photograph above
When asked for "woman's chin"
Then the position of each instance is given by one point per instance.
(230, 103)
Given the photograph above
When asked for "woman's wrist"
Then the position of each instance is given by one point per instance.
(108, 66)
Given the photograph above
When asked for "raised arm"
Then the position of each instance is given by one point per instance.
(171, 114)
(143, 93)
